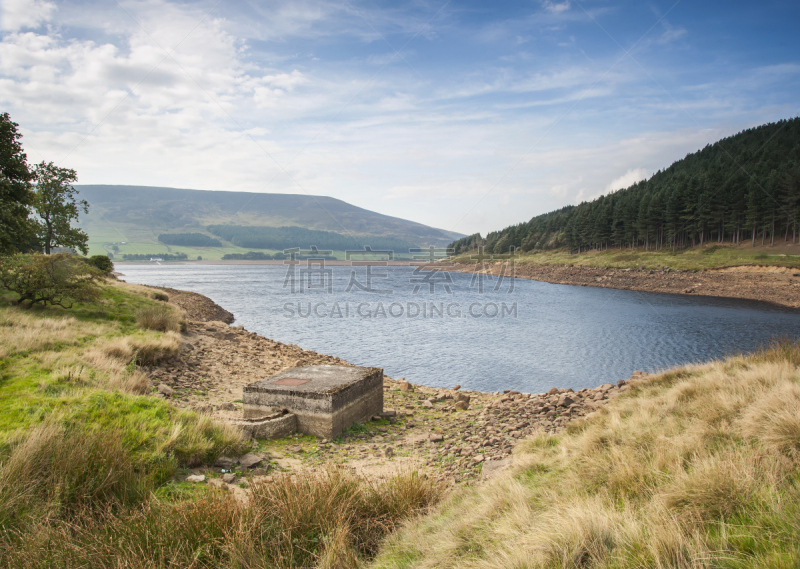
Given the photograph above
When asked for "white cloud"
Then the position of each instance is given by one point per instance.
(671, 34)
(556, 7)
(627, 179)
(18, 14)
(234, 107)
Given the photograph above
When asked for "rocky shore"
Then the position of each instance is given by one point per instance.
(778, 285)
(452, 435)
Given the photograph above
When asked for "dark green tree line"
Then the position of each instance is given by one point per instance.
(742, 188)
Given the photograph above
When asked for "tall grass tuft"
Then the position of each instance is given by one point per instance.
(160, 317)
(57, 473)
(327, 519)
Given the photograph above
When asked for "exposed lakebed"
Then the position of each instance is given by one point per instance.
(484, 334)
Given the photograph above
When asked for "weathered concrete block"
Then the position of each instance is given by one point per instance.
(326, 399)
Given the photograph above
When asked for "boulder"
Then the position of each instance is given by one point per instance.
(164, 389)
(462, 397)
(250, 460)
(228, 478)
(553, 391)
(462, 405)
(225, 462)
(195, 478)
(405, 386)
(565, 401)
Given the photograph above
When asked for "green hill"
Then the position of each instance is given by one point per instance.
(132, 218)
(744, 188)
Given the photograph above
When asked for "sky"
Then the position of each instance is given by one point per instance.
(464, 115)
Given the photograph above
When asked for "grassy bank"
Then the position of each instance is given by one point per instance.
(693, 259)
(696, 467)
(91, 463)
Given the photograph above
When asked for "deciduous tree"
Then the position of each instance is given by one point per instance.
(57, 205)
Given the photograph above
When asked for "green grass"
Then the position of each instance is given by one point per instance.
(713, 256)
(55, 366)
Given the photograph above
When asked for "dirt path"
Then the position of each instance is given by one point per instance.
(778, 285)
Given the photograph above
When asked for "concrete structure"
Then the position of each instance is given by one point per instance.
(272, 426)
(326, 399)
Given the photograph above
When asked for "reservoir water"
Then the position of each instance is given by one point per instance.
(442, 329)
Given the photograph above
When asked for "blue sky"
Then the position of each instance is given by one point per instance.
(468, 116)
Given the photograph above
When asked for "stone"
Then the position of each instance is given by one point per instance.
(462, 397)
(326, 399)
(477, 459)
(166, 390)
(225, 462)
(606, 387)
(427, 403)
(553, 391)
(462, 405)
(250, 460)
(405, 386)
(388, 413)
(436, 438)
(227, 407)
(228, 477)
(218, 483)
(388, 452)
(565, 401)
(195, 478)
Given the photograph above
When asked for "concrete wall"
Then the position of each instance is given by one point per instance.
(269, 428)
(329, 425)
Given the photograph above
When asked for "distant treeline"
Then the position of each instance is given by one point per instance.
(259, 256)
(742, 188)
(189, 240)
(148, 256)
(260, 237)
(254, 256)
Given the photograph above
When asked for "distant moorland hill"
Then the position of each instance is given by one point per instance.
(744, 188)
(158, 220)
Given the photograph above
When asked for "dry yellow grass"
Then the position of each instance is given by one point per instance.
(21, 332)
(696, 467)
(161, 317)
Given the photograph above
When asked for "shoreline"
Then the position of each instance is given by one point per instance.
(764, 283)
(773, 284)
(421, 427)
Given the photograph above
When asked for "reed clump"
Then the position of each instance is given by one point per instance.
(161, 317)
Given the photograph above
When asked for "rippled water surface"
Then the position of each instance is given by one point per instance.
(564, 336)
